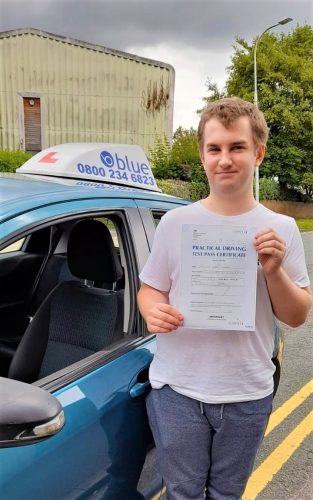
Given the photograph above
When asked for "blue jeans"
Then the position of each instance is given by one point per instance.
(205, 450)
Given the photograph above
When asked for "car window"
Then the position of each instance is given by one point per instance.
(14, 247)
(157, 216)
(30, 276)
(112, 228)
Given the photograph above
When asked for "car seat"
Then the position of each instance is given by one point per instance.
(76, 319)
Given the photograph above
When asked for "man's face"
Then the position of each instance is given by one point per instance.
(229, 156)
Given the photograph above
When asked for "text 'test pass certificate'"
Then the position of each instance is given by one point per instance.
(218, 277)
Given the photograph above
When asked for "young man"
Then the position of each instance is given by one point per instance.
(212, 390)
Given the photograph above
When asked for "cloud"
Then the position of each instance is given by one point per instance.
(211, 24)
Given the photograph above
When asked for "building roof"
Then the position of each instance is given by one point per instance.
(86, 45)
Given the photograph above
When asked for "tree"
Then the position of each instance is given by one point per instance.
(214, 93)
(180, 161)
(307, 183)
(159, 157)
(285, 91)
(184, 153)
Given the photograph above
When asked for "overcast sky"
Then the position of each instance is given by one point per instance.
(194, 36)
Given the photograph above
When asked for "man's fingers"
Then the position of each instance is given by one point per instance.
(159, 329)
(164, 318)
(268, 235)
(272, 247)
(170, 311)
(268, 242)
(158, 326)
(279, 245)
(266, 232)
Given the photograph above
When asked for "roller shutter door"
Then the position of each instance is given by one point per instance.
(32, 124)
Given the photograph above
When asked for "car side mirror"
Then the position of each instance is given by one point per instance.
(27, 413)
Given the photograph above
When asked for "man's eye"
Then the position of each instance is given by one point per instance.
(212, 150)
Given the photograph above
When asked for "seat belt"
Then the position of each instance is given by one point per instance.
(53, 240)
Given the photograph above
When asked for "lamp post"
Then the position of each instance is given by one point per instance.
(255, 100)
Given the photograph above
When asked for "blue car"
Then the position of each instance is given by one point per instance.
(77, 224)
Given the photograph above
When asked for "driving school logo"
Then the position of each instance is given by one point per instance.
(123, 163)
(119, 168)
(107, 159)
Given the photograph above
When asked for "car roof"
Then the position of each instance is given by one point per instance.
(23, 192)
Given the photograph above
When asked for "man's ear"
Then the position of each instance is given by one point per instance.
(260, 153)
(201, 156)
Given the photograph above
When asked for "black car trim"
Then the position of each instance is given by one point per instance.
(87, 365)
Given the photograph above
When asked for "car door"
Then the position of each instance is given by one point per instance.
(105, 450)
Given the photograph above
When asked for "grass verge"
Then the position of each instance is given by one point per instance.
(305, 224)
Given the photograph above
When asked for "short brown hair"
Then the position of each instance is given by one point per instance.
(228, 110)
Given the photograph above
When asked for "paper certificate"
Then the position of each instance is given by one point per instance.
(218, 277)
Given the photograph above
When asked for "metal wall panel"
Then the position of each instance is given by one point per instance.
(88, 93)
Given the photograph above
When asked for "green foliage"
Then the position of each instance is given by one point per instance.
(285, 94)
(283, 162)
(159, 157)
(193, 191)
(307, 183)
(184, 153)
(268, 189)
(11, 160)
(199, 183)
(181, 189)
(173, 164)
(199, 175)
(180, 160)
(214, 93)
(199, 190)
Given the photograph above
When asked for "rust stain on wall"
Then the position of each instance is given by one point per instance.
(156, 96)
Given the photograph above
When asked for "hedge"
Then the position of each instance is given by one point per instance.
(198, 189)
(11, 160)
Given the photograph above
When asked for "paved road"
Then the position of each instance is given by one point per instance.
(294, 481)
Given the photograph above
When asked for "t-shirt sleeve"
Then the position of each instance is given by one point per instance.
(156, 270)
(294, 261)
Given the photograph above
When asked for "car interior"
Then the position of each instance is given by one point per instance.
(64, 295)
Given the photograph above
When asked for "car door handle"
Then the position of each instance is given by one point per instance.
(139, 388)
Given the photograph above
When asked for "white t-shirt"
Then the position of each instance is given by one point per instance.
(218, 366)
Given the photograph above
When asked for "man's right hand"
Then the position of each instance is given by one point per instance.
(163, 318)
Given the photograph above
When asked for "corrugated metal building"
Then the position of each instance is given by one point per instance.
(55, 90)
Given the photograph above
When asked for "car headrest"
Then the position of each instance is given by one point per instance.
(91, 254)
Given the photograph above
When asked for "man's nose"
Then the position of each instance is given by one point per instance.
(225, 160)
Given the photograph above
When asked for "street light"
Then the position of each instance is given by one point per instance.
(255, 100)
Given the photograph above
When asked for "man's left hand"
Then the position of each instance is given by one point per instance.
(271, 249)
